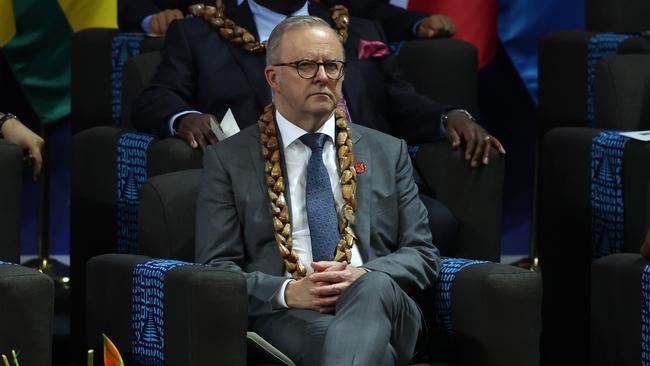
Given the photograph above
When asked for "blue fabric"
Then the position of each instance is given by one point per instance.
(522, 22)
(413, 150)
(131, 173)
(321, 208)
(645, 316)
(10, 263)
(600, 46)
(124, 45)
(607, 211)
(395, 47)
(148, 342)
(442, 299)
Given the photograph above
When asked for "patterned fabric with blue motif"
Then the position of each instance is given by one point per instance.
(645, 316)
(395, 47)
(124, 45)
(607, 209)
(413, 150)
(321, 208)
(148, 344)
(442, 300)
(600, 46)
(131, 173)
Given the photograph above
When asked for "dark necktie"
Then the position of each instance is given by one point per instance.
(321, 208)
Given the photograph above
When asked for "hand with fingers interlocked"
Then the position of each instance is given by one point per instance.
(319, 291)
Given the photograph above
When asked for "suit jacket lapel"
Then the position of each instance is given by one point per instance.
(258, 166)
(252, 65)
(362, 215)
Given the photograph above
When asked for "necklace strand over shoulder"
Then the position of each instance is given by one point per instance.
(239, 36)
(276, 190)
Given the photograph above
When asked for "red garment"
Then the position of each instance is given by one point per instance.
(476, 22)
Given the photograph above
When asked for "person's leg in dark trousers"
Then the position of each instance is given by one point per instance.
(297, 333)
(376, 323)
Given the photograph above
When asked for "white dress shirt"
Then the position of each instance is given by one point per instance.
(296, 157)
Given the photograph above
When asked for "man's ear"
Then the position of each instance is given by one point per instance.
(272, 78)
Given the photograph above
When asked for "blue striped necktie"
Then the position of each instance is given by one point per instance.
(321, 208)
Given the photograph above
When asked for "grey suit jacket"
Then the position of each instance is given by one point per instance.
(234, 223)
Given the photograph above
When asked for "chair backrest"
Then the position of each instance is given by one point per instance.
(98, 56)
(11, 166)
(444, 69)
(138, 72)
(622, 93)
(167, 215)
(617, 16)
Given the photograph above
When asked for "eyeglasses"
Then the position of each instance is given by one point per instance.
(307, 69)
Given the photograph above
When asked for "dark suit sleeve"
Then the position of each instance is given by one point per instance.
(130, 13)
(172, 88)
(415, 264)
(410, 115)
(397, 22)
(219, 231)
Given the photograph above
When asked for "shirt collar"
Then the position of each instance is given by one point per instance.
(266, 19)
(290, 132)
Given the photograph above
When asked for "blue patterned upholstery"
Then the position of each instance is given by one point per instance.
(607, 211)
(148, 310)
(131, 166)
(600, 46)
(442, 301)
(645, 316)
(124, 45)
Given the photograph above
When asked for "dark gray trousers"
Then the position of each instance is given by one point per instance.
(376, 323)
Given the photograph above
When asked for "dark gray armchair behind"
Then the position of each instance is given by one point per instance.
(11, 166)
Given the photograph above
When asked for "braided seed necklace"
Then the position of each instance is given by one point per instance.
(239, 36)
(276, 188)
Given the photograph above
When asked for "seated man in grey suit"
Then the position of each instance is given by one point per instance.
(321, 216)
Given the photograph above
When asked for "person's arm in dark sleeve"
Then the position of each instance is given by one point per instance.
(131, 13)
(172, 89)
(397, 22)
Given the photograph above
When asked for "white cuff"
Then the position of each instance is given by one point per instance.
(278, 301)
(173, 119)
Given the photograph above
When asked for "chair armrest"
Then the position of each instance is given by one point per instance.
(496, 315)
(205, 311)
(172, 154)
(473, 195)
(26, 314)
(616, 312)
(11, 166)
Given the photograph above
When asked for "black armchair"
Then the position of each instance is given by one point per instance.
(620, 310)
(500, 329)
(11, 166)
(566, 201)
(27, 303)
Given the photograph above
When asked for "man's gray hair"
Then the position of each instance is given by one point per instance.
(290, 23)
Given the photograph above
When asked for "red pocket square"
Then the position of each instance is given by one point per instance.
(368, 49)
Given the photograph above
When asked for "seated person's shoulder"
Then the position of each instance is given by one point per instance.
(382, 139)
(234, 144)
(191, 26)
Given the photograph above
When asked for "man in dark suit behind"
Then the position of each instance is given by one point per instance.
(203, 75)
(155, 16)
(334, 256)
